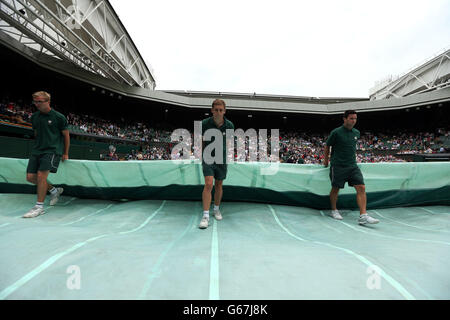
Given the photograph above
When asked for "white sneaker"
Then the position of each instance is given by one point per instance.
(34, 212)
(55, 197)
(218, 215)
(365, 218)
(204, 223)
(336, 215)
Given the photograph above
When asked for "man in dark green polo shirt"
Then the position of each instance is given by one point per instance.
(214, 168)
(51, 144)
(342, 141)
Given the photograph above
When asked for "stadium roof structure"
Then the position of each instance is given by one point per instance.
(89, 43)
(85, 33)
(432, 74)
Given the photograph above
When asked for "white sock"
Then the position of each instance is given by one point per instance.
(206, 214)
(361, 214)
(216, 208)
(40, 204)
(335, 211)
(53, 190)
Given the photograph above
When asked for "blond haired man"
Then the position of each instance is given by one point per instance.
(51, 144)
(216, 172)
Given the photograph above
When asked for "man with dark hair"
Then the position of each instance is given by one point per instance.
(51, 144)
(342, 141)
(214, 171)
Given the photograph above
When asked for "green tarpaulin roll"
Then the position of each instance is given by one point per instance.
(387, 184)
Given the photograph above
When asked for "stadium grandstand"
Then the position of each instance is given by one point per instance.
(97, 121)
(82, 54)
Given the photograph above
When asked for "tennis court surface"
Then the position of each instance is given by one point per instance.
(153, 249)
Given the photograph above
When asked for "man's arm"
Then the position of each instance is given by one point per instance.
(328, 144)
(66, 135)
(326, 155)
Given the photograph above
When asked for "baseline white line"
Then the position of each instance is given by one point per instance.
(409, 225)
(394, 283)
(82, 218)
(33, 273)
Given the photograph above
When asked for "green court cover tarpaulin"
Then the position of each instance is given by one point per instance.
(387, 184)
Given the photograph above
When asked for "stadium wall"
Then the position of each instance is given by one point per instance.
(14, 147)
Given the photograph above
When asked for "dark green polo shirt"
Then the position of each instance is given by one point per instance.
(48, 127)
(208, 123)
(343, 143)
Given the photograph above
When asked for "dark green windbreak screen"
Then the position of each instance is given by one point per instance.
(387, 184)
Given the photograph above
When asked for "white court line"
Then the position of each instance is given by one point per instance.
(156, 270)
(260, 224)
(397, 238)
(394, 283)
(432, 212)
(283, 227)
(426, 210)
(82, 218)
(33, 273)
(214, 265)
(392, 237)
(67, 202)
(330, 227)
(146, 221)
(409, 225)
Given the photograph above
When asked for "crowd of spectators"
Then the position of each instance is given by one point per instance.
(107, 128)
(150, 153)
(307, 148)
(301, 147)
(14, 113)
(370, 157)
(419, 141)
(294, 147)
